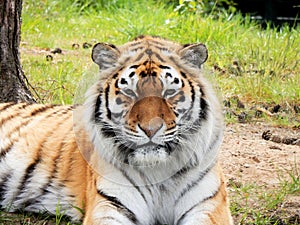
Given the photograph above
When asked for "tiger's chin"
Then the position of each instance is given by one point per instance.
(148, 156)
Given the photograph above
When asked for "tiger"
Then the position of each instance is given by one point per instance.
(141, 150)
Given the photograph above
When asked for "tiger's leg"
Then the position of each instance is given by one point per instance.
(102, 209)
(107, 214)
(213, 211)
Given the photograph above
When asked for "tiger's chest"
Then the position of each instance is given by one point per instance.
(160, 203)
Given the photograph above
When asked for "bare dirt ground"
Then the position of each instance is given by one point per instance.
(248, 159)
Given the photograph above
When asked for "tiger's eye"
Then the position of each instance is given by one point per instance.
(119, 101)
(129, 93)
(169, 92)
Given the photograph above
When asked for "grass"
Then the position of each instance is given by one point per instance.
(259, 66)
(256, 204)
(24, 218)
(255, 66)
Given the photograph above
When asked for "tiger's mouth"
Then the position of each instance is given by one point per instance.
(151, 147)
(149, 154)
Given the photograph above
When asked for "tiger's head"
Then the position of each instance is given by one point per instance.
(151, 104)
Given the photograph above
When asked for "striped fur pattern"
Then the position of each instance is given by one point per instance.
(142, 149)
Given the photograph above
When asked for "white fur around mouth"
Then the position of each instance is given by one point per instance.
(149, 147)
(148, 155)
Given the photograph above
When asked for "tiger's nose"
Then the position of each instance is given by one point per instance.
(152, 127)
(150, 114)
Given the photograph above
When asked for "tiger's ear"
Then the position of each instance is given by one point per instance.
(195, 54)
(105, 55)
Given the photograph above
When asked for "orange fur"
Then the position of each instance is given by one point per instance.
(55, 144)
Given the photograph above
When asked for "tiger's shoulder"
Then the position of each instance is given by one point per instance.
(17, 117)
(41, 165)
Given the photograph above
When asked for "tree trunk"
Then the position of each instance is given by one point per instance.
(12, 78)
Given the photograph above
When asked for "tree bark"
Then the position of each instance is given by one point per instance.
(12, 78)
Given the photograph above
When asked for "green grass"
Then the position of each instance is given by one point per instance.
(259, 67)
(256, 204)
(25, 218)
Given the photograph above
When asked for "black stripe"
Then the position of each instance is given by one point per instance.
(3, 188)
(181, 172)
(192, 91)
(30, 171)
(193, 162)
(212, 195)
(134, 67)
(202, 116)
(183, 75)
(124, 62)
(204, 110)
(128, 150)
(31, 118)
(137, 49)
(125, 150)
(107, 103)
(131, 74)
(182, 82)
(133, 184)
(53, 174)
(157, 43)
(8, 105)
(115, 75)
(172, 146)
(41, 109)
(117, 83)
(62, 144)
(187, 117)
(148, 183)
(185, 214)
(159, 57)
(5, 150)
(143, 74)
(61, 110)
(11, 115)
(122, 208)
(163, 49)
(138, 58)
(164, 67)
(137, 41)
(197, 204)
(107, 130)
(193, 184)
(98, 113)
(201, 88)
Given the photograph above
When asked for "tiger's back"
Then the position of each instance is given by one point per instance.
(141, 150)
(41, 166)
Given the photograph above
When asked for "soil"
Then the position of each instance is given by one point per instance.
(247, 158)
